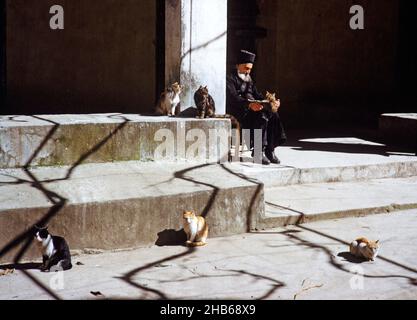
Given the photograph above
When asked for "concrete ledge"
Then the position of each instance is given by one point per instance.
(124, 205)
(315, 202)
(399, 129)
(276, 176)
(321, 157)
(51, 140)
(269, 222)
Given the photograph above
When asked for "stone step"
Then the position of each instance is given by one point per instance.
(122, 205)
(321, 157)
(52, 140)
(399, 129)
(134, 203)
(281, 175)
(313, 202)
(325, 160)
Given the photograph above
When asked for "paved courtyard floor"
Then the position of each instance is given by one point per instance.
(297, 262)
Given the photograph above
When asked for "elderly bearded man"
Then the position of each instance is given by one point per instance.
(252, 115)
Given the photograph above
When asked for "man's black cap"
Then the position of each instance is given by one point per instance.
(246, 57)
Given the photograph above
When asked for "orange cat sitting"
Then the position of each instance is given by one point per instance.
(196, 229)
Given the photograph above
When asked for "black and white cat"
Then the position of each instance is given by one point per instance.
(55, 251)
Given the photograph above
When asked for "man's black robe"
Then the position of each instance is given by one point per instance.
(237, 104)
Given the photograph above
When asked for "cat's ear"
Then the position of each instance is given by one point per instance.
(267, 93)
(377, 241)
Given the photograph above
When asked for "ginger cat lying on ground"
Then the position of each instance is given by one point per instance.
(196, 229)
(364, 248)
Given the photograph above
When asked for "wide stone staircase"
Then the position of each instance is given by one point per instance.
(95, 180)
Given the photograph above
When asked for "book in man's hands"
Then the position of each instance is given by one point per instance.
(259, 101)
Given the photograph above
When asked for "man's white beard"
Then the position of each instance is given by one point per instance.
(244, 77)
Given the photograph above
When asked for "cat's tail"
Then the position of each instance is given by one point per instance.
(62, 265)
(196, 244)
(65, 264)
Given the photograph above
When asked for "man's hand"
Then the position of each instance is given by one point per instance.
(256, 107)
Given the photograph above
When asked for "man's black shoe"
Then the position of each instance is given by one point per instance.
(272, 157)
(265, 160)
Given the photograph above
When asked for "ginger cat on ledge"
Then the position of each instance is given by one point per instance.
(196, 229)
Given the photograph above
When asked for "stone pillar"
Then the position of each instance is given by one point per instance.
(196, 48)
